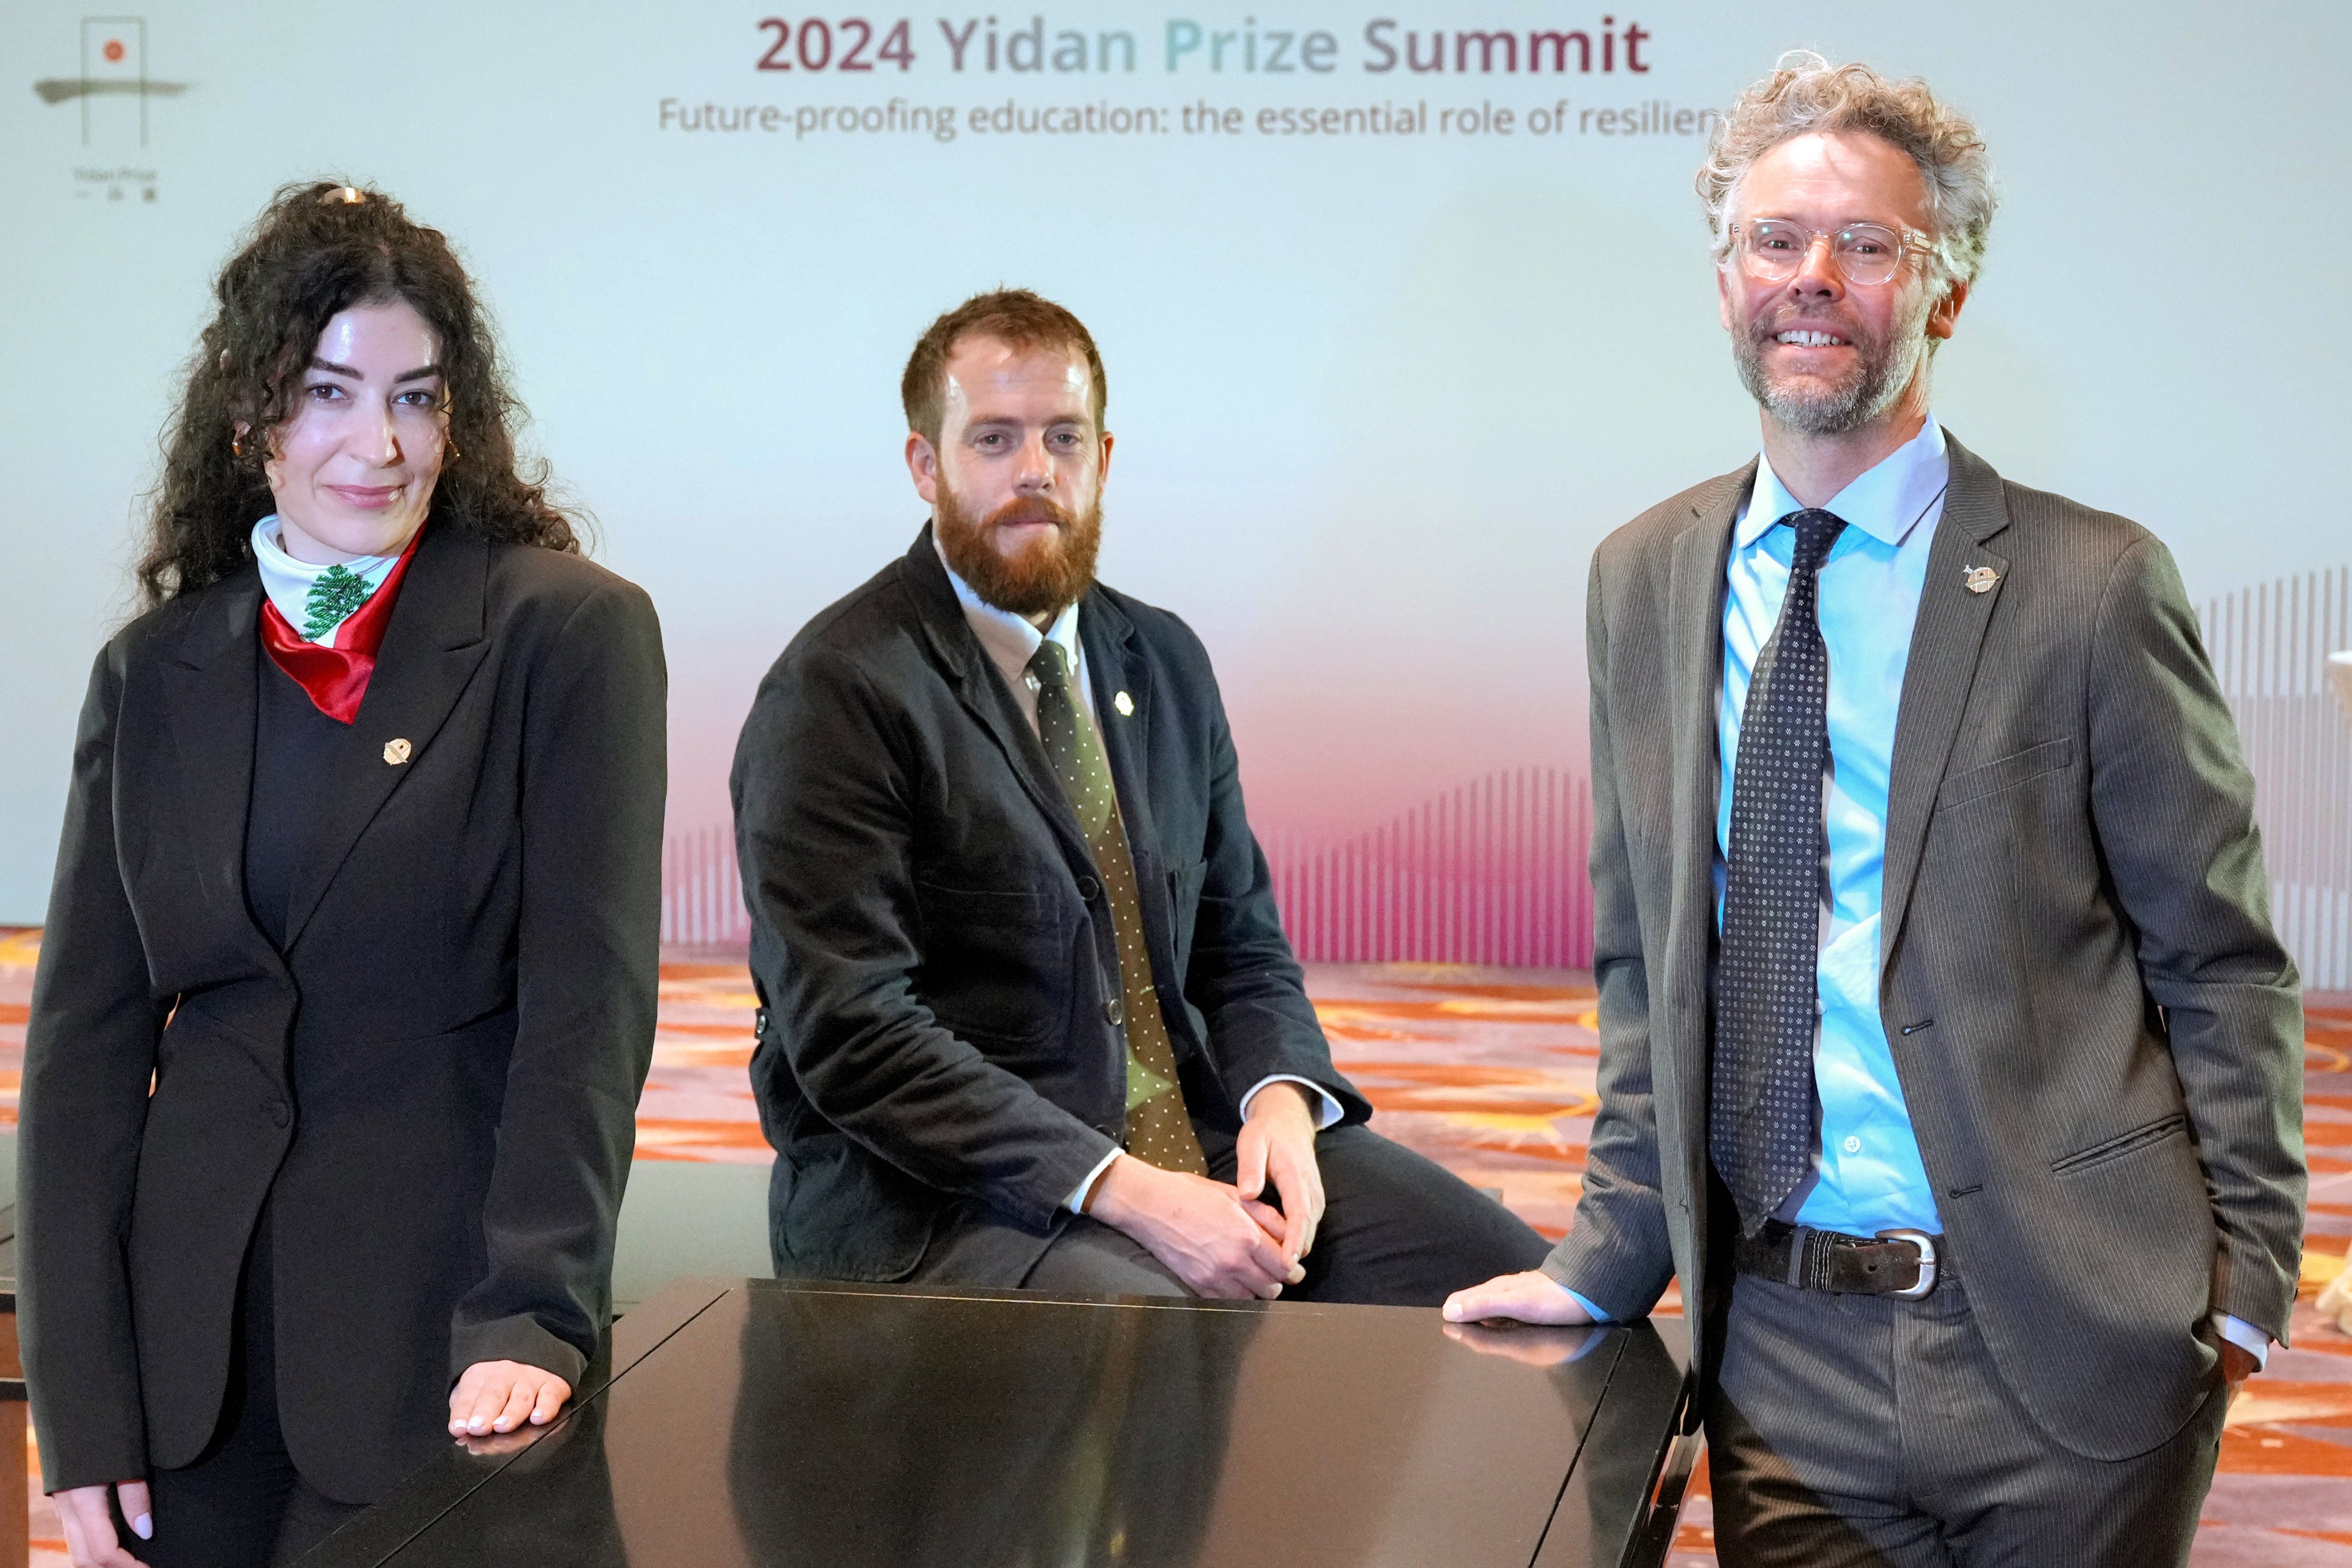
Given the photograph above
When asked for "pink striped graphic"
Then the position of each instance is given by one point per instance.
(1491, 872)
(702, 891)
(2270, 645)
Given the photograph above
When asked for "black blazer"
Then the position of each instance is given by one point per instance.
(932, 946)
(435, 1084)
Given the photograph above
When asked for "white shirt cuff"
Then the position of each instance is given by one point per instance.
(1078, 1198)
(2245, 1336)
(1330, 1113)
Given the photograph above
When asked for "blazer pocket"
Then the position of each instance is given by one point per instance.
(956, 908)
(996, 964)
(2050, 757)
(849, 1214)
(2121, 1144)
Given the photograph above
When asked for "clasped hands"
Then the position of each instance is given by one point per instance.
(493, 1396)
(1224, 1241)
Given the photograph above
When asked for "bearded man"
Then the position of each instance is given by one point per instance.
(1947, 1052)
(1027, 1017)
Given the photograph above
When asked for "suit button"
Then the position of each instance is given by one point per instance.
(278, 1111)
(1089, 888)
(1113, 1012)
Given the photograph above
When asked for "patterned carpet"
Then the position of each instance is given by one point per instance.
(1490, 1072)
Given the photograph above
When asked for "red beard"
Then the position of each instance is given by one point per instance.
(1050, 573)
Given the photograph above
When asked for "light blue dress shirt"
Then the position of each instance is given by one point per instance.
(1866, 1172)
(1866, 1177)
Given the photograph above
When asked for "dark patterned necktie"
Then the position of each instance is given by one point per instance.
(1158, 1129)
(1761, 1112)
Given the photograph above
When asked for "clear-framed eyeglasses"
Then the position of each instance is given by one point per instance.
(1773, 249)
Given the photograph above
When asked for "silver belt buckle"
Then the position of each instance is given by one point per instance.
(1927, 1245)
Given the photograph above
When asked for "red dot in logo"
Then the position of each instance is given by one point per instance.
(113, 50)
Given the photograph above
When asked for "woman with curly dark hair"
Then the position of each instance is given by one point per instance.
(347, 990)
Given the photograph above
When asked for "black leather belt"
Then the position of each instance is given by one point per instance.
(1901, 1263)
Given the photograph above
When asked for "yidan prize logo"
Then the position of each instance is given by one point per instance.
(112, 94)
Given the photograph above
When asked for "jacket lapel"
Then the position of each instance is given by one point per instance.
(1945, 643)
(978, 688)
(1694, 611)
(435, 642)
(1118, 670)
(209, 685)
(1117, 666)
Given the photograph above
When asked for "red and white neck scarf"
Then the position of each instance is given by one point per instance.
(344, 610)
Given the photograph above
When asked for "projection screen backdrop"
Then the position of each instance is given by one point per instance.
(1403, 311)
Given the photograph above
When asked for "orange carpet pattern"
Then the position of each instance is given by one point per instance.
(1490, 1072)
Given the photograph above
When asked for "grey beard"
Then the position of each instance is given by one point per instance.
(1887, 368)
(1831, 411)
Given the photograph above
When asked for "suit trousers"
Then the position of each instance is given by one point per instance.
(1856, 1431)
(242, 1503)
(1398, 1231)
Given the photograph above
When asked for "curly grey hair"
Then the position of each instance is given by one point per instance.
(1805, 93)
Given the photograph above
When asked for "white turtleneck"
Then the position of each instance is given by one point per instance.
(288, 581)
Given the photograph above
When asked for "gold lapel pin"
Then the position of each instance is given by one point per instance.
(398, 752)
(1981, 579)
(1124, 704)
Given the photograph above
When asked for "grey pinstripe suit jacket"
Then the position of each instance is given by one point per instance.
(2098, 1036)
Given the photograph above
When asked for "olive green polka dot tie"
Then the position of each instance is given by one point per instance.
(1159, 1131)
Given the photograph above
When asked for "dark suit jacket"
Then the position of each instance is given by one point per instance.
(2099, 1040)
(933, 952)
(435, 1084)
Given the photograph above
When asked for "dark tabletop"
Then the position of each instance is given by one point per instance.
(758, 1422)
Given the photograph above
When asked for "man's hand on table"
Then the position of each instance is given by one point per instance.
(1533, 1297)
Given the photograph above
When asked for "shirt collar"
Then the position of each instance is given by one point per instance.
(1886, 502)
(1011, 640)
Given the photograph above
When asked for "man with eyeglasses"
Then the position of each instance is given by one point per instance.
(1947, 1056)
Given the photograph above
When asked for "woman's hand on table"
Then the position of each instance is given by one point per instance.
(501, 1395)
